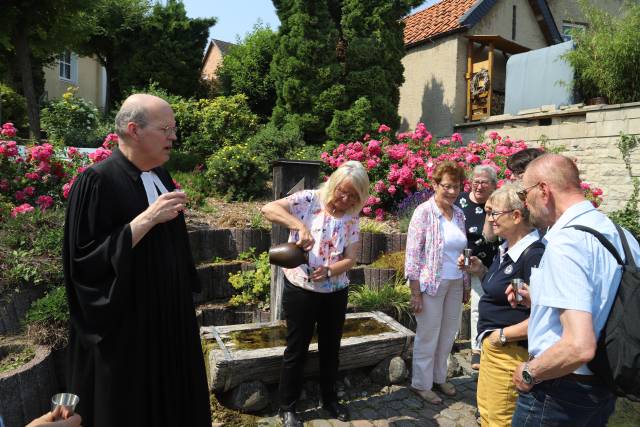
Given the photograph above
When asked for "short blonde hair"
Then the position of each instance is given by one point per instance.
(507, 197)
(353, 172)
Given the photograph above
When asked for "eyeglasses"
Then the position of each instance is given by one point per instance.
(450, 187)
(496, 214)
(169, 130)
(479, 183)
(341, 194)
(522, 194)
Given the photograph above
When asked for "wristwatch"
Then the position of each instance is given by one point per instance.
(503, 337)
(527, 376)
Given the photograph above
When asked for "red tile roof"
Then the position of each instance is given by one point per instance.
(440, 18)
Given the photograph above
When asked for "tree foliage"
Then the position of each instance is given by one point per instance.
(337, 64)
(245, 70)
(607, 54)
(32, 33)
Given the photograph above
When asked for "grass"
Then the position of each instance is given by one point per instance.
(627, 414)
(17, 359)
(394, 260)
(391, 298)
(368, 225)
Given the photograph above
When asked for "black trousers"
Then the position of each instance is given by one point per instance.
(303, 310)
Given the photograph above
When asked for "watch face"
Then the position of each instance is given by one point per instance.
(526, 377)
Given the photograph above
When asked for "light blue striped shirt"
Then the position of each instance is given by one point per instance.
(575, 273)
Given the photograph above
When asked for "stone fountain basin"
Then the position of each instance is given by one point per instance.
(238, 353)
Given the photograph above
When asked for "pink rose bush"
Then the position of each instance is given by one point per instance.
(40, 176)
(403, 164)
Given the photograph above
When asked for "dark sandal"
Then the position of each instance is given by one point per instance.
(475, 361)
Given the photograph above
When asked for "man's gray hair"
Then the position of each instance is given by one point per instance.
(488, 170)
(130, 112)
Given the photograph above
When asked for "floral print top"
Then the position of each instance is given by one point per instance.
(332, 236)
(425, 246)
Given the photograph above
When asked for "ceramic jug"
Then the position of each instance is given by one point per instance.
(288, 255)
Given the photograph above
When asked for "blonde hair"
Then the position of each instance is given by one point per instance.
(507, 197)
(353, 172)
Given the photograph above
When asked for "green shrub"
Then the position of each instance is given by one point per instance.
(72, 121)
(272, 143)
(195, 185)
(236, 173)
(17, 358)
(368, 225)
(305, 152)
(394, 260)
(206, 125)
(181, 161)
(392, 299)
(253, 286)
(607, 54)
(30, 248)
(351, 124)
(13, 108)
(47, 319)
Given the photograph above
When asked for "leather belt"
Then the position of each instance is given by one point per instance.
(582, 378)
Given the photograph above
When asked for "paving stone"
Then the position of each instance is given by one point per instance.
(468, 422)
(338, 423)
(318, 423)
(445, 422)
(449, 413)
(370, 414)
(413, 403)
(457, 406)
(361, 423)
(396, 404)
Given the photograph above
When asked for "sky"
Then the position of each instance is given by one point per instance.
(236, 18)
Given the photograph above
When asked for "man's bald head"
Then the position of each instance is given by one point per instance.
(137, 109)
(560, 172)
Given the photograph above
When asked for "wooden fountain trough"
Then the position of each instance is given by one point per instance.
(238, 353)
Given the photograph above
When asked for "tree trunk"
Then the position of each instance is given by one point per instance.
(23, 57)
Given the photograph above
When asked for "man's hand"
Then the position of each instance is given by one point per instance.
(166, 207)
(519, 382)
(524, 292)
(65, 419)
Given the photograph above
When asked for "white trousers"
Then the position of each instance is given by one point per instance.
(436, 329)
(476, 294)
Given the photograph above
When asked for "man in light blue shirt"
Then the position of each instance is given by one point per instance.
(572, 292)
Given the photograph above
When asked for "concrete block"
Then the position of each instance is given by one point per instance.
(617, 114)
(633, 126)
(594, 116)
(613, 127)
(632, 112)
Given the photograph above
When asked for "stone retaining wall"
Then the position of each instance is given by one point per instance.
(588, 133)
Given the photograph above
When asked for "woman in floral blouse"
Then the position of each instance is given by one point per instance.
(325, 223)
(435, 240)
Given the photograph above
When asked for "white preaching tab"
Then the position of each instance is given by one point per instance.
(151, 181)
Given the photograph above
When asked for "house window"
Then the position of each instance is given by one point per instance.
(568, 27)
(67, 66)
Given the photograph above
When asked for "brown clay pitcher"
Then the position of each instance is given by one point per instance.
(288, 255)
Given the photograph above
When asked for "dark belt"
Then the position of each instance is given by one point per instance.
(592, 379)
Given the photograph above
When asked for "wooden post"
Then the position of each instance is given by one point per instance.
(490, 95)
(468, 77)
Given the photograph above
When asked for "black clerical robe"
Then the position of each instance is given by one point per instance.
(134, 351)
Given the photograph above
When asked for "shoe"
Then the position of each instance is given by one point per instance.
(290, 419)
(428, 395)
(446, 388)
(337, 410)
(475, 361)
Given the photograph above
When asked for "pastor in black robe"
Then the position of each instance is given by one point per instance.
(134, 355)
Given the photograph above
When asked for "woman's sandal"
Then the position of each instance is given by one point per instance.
(428, 395)
(475, 361)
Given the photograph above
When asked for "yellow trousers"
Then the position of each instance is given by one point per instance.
(497, 394)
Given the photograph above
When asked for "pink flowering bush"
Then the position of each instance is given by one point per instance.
(400, 165)
(39, 176)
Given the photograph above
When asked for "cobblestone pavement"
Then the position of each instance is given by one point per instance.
(398, 406)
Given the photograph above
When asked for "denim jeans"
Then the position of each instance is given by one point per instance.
(564, 402)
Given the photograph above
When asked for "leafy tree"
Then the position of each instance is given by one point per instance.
(33, 32)
(305, 69)
(607, 54)
(245, 70)
(114, 28)
(168, 50)
(138, 44)
(338, 65)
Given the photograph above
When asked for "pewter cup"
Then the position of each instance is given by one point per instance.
(467, 257)
(516, 284)
(66, 400)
